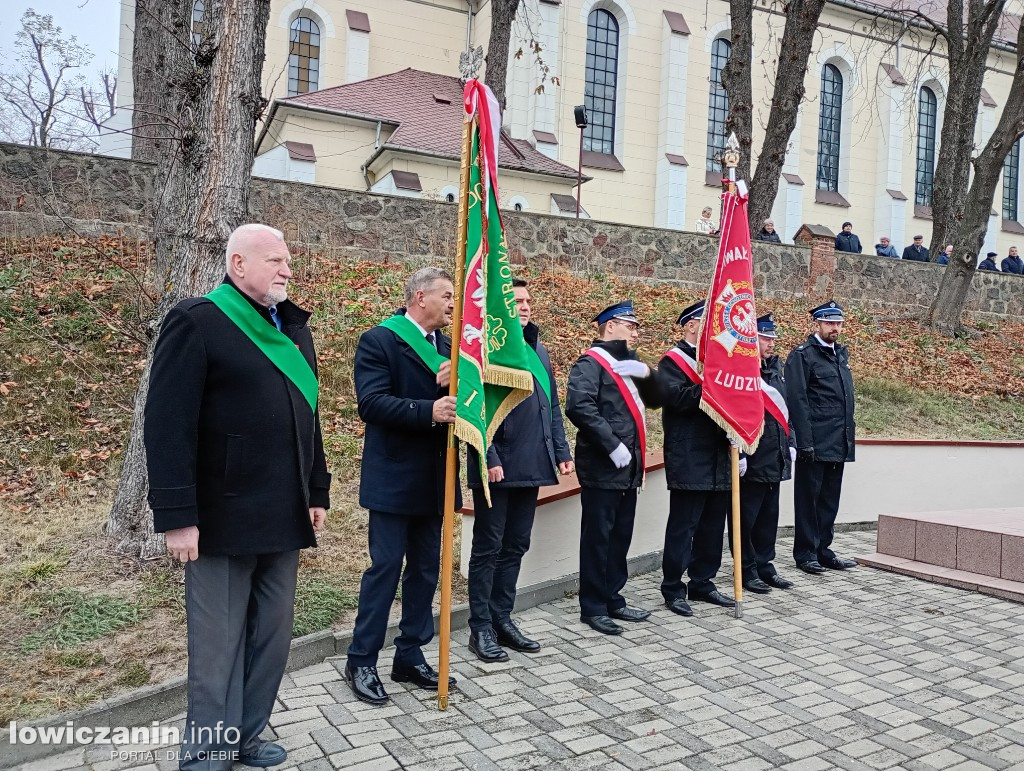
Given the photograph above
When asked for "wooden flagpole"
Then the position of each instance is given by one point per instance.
(451, 458)
(737, 553)
(732, 159)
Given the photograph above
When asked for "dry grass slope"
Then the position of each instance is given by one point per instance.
(81, 623)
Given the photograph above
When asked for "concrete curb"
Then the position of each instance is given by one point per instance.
(162, 701)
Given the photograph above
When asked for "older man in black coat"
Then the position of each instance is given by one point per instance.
(819, 392)
(401, 378)
(238, 484)
(527, 452)
(609, 387)
(699, 476)
(769, 466)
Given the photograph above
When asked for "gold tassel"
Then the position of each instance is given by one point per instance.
(744, 447)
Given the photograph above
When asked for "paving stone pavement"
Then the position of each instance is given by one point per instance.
(858, 670)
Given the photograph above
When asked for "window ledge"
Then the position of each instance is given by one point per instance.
(830, 198)
(593, 160)
(922, 212)
(1012, 226)
(712, 179)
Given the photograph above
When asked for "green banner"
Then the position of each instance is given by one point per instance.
(495, 372)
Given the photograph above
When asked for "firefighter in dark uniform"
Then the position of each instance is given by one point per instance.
(770, 465)
(699, 476)
(608, 390)
(819, 393)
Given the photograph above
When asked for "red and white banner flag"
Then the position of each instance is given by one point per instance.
(727, 347)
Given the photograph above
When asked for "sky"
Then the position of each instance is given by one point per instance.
(94, 22)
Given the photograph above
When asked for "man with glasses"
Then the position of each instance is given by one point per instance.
(609, 388)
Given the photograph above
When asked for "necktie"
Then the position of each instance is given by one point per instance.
(274, 317)
(430, 339)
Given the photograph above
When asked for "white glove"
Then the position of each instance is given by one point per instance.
(631, 368)
(792, 454)
(743, 466)
(621, 456)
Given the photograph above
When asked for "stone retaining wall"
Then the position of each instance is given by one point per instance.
(44, 192)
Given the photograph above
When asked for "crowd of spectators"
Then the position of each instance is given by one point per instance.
(848, 241)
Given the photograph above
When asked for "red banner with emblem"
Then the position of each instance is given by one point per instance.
(727, 348)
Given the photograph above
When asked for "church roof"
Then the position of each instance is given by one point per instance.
(426, 109)
(935, 12)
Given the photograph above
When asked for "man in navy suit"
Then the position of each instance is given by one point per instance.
(401, 378)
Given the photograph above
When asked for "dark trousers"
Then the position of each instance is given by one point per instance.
(605, 534)
(693, 541)
(816, 489)
(239, 614)
(394, 537)
(501, 536)
(759, 525)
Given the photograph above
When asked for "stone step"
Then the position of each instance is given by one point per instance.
(961, 579)
(987, 542)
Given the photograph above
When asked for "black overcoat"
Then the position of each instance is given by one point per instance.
(231, 443)
(403, 449)
(819, 394)
(596, 407)
(771, 462)
(696, 448)
(530, 442)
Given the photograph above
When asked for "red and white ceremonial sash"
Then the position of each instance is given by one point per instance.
(629, 394)
(686, 363)
(774, 403)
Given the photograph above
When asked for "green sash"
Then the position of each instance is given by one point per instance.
(276, 346)
(402, 326)
(539, 373)
(407, 331)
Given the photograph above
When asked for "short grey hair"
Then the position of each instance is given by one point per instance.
(243, 236)
(422, 279)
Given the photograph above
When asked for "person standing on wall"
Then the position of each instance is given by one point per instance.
(528, 451)
(402, 371)
(609, 388)
(819, 393)
(699, 475)
(238, 484)
(766, 469)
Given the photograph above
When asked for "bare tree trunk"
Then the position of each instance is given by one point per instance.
(968, 49)
(794, 52)
(203, 188)
(736, 81)
(162, 42)
(503, 16)
(946, 310)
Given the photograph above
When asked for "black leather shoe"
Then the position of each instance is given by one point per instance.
(757, 586)
(811, 567)
(680, 606)
(265, 755)
(484, 645)
(630, 614)
(838, 563)
(602, 624)
(365, 684)
(422, 675)
(715, 597)
(777, 581)
(510, 635)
